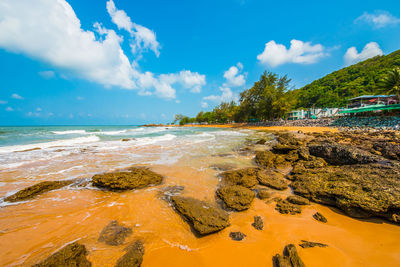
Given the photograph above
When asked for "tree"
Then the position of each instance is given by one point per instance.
(178, 117)
(391, 83)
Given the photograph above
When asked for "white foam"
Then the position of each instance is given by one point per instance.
(151, 140)
(70, 132)
(113, 132)
(58, 143)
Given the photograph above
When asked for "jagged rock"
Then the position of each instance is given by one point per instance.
(361, 191)
(133, 256)
(285, 207)
(114, 234)
(223, 166)
(298, 200)
(304, 153)
(245, 177)
(132, 179)
(290, 258)
(37, 189)
(258, 223)
(388, 150)
(237, 236)
(283, 149)
(203, 217)
(309, 244)
(72, 255)
(236, 197)
(267, 159)
(273, 179)
(319, 217)
(263, 194)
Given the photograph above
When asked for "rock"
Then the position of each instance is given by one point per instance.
(223, 166)
(285, 207)
(263, 194)
(126, 180)
(319, 217)
(126, 139)
(337, 154)
(290, 258)
(237, 236)
(133, 256)
(245, 177)
(258, 223)
(203, 217)
(166, 192)
(388, 150)
(361, 191)
(273, 179)
(283, 149)
(309, 244)
(287, 139)
(72, 255)
(114, 234)
(261, 142)
(298, 200)
(37, 189)
(236, 197)
(267, 159)
(304, 153)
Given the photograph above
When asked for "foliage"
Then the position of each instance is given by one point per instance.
(391, 82)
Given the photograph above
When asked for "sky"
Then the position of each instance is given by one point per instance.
(112, 62)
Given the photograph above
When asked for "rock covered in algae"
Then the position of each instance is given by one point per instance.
(114, 234)
(223, 166)
(237, 236)
(203, 217)
(126, 180)
(236, 197)
(245, 177)
(309, 244)
(285, 207)
(290, 258)
(37, 189)
(267, 159)
(263, 194)
(273, 179)
(258, 223)
(319, 217)
(298, 200)
(71, 255)
(133, 256)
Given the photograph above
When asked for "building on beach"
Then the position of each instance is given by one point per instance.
(313, 113)
(367, 105)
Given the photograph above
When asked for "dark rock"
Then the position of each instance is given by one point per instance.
(304, 153)
(114, 234)
(258, 223)
(223, 166)
(132, 179)
(263, 194)
(298, 200)
(236, 197)
(319, 217)
(281, 261)
(290, 258)
(133, 256)
(237, 236)
(309, 244)
(283, 149)
(126, 139)
(37, 189)
(273, 179)
(285, 207)
(388, 150)
(261, 142)
(245, 177)
(72, 255)
(203, 217)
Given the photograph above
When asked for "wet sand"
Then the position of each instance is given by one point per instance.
(31, 231)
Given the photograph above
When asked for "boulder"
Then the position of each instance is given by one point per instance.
(309, 244)
(298, 200)
(290, 258)
(258, 223)
(236, 197)
(319, 217)
(71, 255)
(272, 179)
(133, 256)
(132, 179)
(245, 177)
(223, 166)
(263, 194)
(37, 189)
(237, 236)
(388, 150)
(285, 207)
(267, 159)
(203, 217)
(114, 234)
(283, 149)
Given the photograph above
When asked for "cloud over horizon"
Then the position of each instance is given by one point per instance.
(378, 19)
(370, 50)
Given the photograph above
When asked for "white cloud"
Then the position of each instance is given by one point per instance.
(9, 109)
(226, 96)
(2, 102)
(17, 96)
(144, 38)
(204, 104)
(232, 76)
(370, 50)
(378, 19)
(48, 74)
(299, 52)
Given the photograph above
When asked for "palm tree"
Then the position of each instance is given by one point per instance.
(391, 83)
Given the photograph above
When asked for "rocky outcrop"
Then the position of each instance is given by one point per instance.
(237, 236)
(272, 179)
(236, 197)
(269, 160)
(132, 179)
(388, 150)
(244, 177)
(319, 217)
(71, 255)
(298, 200)
(309, 244)
(114, 234)
(133, 256)
(203, 217)
(290, 258)
(37, 189)
(258, 223)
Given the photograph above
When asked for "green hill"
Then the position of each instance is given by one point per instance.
(359, 79)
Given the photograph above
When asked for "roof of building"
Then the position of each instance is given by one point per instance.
(371, 108)
(370, 96)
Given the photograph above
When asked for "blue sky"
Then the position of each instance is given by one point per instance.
(132, 62)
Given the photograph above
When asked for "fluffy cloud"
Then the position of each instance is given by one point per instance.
(48, 74)
(299, 52)
(232, 76)
(226, 96)
(378, 19)
(17, 96)
(370, 50)
(144, 38)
